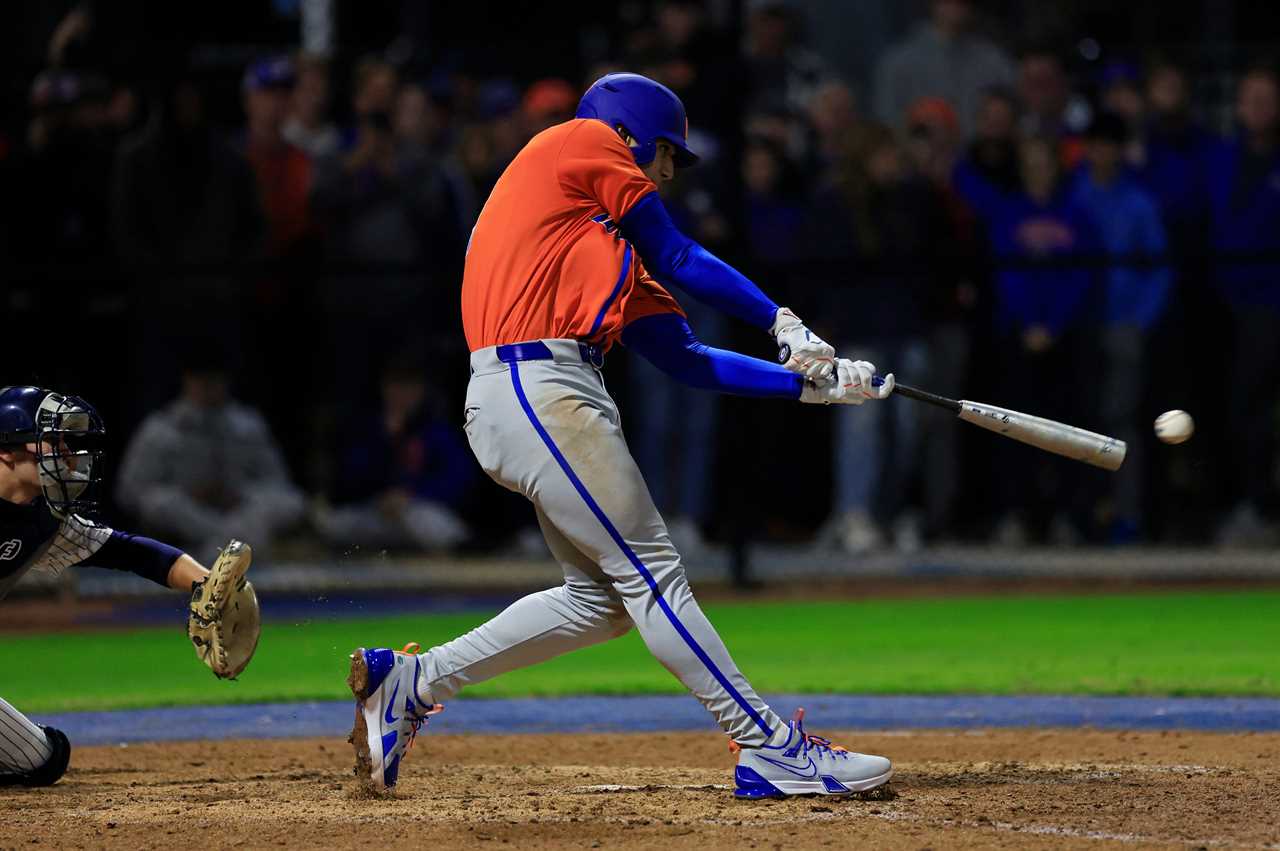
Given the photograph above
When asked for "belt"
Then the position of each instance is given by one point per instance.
(537, 350)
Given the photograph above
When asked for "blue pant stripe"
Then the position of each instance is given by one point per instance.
(631, 556)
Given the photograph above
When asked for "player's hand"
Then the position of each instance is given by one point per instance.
(800, 350)
(852, 385)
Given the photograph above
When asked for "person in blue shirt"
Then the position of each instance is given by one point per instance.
(1171, 158)
(1243, 179)
(403, 473)
(1133, 300)
(1042, 240)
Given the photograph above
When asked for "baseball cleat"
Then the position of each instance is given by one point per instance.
(806, 765)
(389, 711)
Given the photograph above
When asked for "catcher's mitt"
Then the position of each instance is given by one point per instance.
(224, 619)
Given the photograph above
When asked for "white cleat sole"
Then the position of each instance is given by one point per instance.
(365, 738)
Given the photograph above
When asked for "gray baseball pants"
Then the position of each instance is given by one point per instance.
(546, 427)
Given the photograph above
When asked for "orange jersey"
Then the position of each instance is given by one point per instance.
(545, 260)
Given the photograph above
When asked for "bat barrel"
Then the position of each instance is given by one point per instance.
(1059, 438)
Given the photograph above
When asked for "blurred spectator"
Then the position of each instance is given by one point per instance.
(283, 169)
(989, 171)
(775, 207)
(942, 58)
(63, 173)
(1134, 299)
(1045, 93)
(389, 215)
(420, 143)
(547, 103)
(184, 206)
(1172, 164)
(280, 307)
(895, 221)
(681, 51)
(833, 117)
(403, 474)
(500, 110)
(374, 83)
(783, 74)
(206, 469)
(1041, 312)
(1243, 176)
(959, 254)
(308, 125)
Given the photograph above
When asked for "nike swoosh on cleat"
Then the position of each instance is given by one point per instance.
(391, 704)
(812, 772)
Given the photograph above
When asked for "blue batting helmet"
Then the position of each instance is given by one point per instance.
(646, 110)
(67, 432)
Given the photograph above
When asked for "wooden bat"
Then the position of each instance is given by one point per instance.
(1058, 438)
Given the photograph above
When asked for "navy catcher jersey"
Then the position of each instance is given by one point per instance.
(31, 538)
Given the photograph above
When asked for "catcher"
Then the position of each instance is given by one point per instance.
(50, 466)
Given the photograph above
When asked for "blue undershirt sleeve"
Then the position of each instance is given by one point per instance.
(666, 341)
(135, 554)
(675, 260)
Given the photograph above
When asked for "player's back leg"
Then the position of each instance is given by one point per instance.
(585, 610)
(30, 755)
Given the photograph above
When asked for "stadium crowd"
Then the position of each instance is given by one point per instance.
(987, 222)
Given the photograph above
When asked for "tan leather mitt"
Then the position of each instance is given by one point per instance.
(224, 620)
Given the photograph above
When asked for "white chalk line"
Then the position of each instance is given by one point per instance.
(897, 816)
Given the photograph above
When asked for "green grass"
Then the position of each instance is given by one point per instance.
(1168, 643)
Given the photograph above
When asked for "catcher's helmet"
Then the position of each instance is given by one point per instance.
(645, 109)
(67, 433)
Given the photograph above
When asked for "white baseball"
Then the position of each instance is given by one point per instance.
(1175, 426)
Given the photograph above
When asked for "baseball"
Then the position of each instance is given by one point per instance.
(1174, 426)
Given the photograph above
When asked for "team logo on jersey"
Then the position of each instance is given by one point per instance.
(605, 222)
(9, 549)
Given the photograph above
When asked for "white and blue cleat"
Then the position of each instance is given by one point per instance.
(389, 711)
(806, 765)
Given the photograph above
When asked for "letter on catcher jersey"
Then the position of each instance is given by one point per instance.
(545, 259)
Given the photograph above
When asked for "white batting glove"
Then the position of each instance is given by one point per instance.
(800, 350)
(852, 385)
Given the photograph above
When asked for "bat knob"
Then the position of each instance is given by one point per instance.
(884, 383)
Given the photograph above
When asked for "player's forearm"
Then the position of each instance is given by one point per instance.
(147, 558)
(185, 572)
(668, 343)
(678, 261)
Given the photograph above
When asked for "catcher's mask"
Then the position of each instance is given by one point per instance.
(68, 436)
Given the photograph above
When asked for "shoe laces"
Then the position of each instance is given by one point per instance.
(419, 720)
(808, 742)
(818, 744)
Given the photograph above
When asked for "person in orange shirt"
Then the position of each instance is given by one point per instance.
(566, 260)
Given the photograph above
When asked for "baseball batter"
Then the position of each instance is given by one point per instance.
(49, 466)
(566, 259)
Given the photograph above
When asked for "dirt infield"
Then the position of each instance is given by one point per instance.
(1032, 789)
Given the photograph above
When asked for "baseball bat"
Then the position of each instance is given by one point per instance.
(1058, 438)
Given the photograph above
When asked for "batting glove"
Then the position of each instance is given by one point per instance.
(800, 350)
(852, 385)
